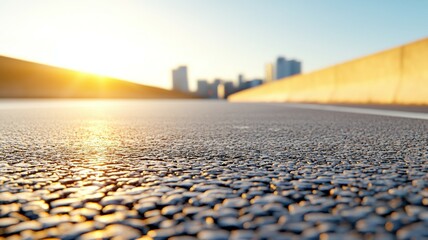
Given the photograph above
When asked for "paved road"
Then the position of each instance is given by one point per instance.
(209, 170)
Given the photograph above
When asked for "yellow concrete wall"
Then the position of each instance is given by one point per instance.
(395, 76)
(413, 88)
(371, 79)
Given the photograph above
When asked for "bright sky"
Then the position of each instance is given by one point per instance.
(143, 40)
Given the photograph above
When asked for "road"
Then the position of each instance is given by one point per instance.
(209, 170)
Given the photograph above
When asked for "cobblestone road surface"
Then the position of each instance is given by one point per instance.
(208, 170)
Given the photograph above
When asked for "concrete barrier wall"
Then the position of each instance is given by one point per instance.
(414, 85)
(395, 76)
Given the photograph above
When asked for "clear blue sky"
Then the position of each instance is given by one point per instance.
(143, 40)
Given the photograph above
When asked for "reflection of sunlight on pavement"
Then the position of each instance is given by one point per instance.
(97, 137)
(97, 140)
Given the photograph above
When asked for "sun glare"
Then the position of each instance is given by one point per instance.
(98, 133)
(110, 55)
(114, 39)
(91, 52)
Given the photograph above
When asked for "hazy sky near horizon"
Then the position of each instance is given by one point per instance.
(143, 40)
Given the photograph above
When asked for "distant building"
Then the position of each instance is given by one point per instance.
(295, 67)
(221, 94)
(282, 68)
(269, 72)
(229, 88)
(241, 81)
(221, 89)
(179, 79)
(202, 88)
(285, 68)
(253, 83)
(213, 89)
(224, 89)
(217, 81)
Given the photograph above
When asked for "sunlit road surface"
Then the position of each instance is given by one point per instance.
(209, 170)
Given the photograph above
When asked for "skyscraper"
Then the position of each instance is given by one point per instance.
(203, 88)
(282, 68)
(179, 79)
(295, 67)
(213, 89)
(241, 80)
(229, 88)
(286, 68)
(269, 73)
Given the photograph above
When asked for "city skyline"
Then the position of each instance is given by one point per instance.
(217, 39)
(222, 88)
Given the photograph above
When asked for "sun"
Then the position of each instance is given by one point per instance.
(92, 52)
(110, 55)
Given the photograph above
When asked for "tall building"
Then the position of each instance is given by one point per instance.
(213, 88)
(221, 93)
(229, 88)
(296, 67)
(179, 79)
(286, 68)
(269, 73)
(203, 88)
(282, 68)
(241, 80)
